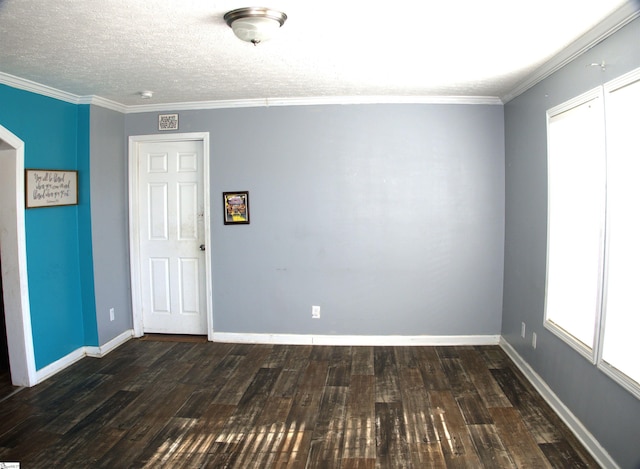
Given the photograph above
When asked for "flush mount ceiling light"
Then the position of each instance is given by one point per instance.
(255, 24)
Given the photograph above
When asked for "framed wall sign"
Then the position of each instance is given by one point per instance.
(236, 207)
(168, 122)
(50, 188)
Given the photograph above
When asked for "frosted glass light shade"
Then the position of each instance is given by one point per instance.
(255, 24)
(255, 29)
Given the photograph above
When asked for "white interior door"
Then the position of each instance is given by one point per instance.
(172, 237)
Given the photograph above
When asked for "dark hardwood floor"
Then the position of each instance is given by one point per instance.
(177, 404)
(6, 388)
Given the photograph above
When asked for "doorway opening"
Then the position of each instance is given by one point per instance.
(13, 251)
(5, 375)
(169, 229)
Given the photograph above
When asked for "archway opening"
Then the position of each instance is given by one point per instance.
(13, 252)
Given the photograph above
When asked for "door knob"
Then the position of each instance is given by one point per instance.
(202, 247)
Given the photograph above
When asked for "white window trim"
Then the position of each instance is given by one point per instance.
(622, 379)
(619, 377)
(594, 354)
(583, 349)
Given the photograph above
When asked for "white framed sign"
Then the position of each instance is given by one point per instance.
(168, 122)
(50, 188)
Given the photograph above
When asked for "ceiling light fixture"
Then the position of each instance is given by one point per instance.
(146, 94)
(255, 24)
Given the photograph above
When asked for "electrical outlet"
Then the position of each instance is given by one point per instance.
(112, 314)
(534, 340)
(523, 330)
(315, 312)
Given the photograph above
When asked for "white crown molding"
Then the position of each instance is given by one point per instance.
(102, 102)
(33, 87)
(618, 19)
(314, 101)
(27, 85)
(43, 90)
(356, 340)
(622, 81)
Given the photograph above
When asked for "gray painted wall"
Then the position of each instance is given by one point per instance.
(109, 222)
(390, 217)
(610, 413)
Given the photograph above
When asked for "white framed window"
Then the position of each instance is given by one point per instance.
(620, 348)
(593, 245)
(575, 219)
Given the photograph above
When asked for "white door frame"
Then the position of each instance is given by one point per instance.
(134, 231)
(15, 282)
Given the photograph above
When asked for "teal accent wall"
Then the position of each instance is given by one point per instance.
(58, 239)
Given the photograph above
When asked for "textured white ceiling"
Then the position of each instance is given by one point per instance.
(184, 52)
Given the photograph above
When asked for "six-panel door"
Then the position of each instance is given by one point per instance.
(171, 211)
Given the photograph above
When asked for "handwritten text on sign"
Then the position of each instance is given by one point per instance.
(47, 188)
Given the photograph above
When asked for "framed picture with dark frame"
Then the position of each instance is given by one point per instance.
(236, 207)
(50, 187)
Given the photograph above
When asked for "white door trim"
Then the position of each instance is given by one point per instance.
(134, 231)
(15, 282)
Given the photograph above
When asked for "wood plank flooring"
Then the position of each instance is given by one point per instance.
(210, 405)
(6, 388)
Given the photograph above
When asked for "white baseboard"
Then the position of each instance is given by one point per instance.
(99, 352)
(579, 430)
(586, 438)
(59, 365)
(286, 339)
(87, 351)
(355, 340)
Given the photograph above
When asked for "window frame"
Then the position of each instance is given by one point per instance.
(589, 352)
(618, 376)
(595, 353)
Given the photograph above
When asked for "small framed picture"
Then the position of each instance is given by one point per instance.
(50, 188)
(236, 207)
(168, 122)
